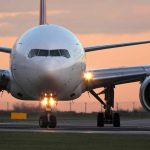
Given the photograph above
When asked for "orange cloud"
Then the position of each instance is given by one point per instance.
(32, 13)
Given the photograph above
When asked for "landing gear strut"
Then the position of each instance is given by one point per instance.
(48, 119)
(108, 117)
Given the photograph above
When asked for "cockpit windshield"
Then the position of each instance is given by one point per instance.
(46, 53)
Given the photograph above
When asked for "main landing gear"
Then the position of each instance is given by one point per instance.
(108, 117)
(48, 119)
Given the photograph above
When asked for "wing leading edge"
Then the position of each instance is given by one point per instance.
(115, 76)
(102, 47)
(5, 50)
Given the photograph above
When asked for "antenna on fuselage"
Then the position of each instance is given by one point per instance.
(43, 17)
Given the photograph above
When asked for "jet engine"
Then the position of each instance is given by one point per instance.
(4, 80)
(145, 94)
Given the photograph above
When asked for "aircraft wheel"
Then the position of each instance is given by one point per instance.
(43, 121)
(52, 121)
(116, 120)
(100, 120)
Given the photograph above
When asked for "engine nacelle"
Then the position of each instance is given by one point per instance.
(145, 94)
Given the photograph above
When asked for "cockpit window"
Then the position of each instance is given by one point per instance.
(31, 53)
(46, 53)
(43, 53)
(55, 53)
(64, 53)
(36, 52)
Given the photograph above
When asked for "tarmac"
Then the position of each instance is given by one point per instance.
(141, 126)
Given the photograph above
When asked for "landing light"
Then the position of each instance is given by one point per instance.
(52, 102)
(44, 101)
(88, 76)
(48, 101)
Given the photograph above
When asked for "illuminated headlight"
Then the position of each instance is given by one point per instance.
(52, 102)
(88, 76)
(48, 101)
(44, 102)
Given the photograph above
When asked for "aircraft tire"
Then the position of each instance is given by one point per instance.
(116, 120)
(100, 120)
(52, 121)
(43, 121)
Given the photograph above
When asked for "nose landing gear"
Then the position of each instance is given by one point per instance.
(48, 119)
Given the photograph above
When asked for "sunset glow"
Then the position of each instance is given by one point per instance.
(118, 32)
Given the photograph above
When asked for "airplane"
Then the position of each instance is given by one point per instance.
(47, 63)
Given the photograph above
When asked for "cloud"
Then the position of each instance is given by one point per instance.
(15, 23)
(31, 13)
(80, 16)
(3, 25)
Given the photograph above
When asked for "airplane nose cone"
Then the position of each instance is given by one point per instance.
(51, 76)
(52, 69)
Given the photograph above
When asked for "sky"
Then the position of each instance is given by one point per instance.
(94, 22)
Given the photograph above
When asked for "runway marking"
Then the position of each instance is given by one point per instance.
(76, 131)
(79, 126)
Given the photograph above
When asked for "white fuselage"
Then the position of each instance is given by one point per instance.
(42, 74)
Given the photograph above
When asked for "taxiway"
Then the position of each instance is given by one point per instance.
(79, 126)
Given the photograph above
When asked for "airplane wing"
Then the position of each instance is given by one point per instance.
(102, 47)
(115, 76)
(5, 49)
(4, 80)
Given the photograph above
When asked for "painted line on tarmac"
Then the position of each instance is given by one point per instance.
(77, 131)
